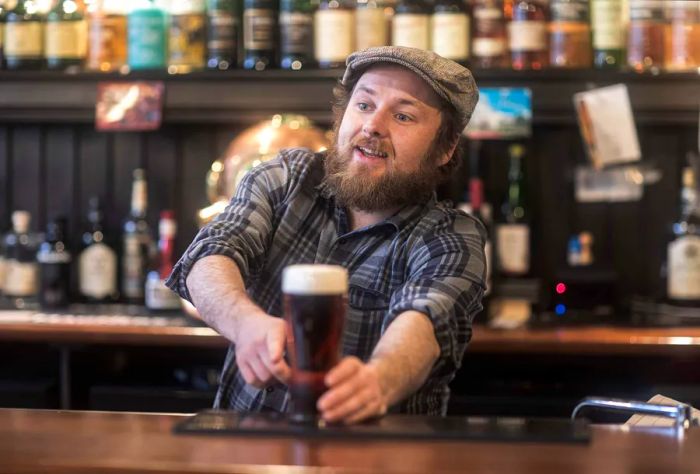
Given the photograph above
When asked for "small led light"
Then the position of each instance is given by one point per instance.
(560, 309)
(560, 288)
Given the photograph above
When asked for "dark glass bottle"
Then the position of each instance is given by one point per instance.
(222, 34)
(97, 265)
(24, 36)
(66, 38)
(3, 14)
(479, 207)
(608, 32)
(646, 35)
(411, 26)
(334, 33)
(570, 34)
(513, 230)
(449, 30)
(54, 267)
(259, 34)
(296, 34)
(527, 35)
(489, 43)
(137, 242)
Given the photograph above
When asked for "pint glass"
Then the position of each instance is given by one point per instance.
(314, 307)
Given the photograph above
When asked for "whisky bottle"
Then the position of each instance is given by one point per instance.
(223, 30)
(682, 51)
(24, 36)
(54, 260)
(449, 30)
(21, 268)
(187, 36)
(66, 38)
(371, 25)
(527, 35)
(411, 25)
(260, 34)
(646, 35)
(608, 33)
(147, 37)
(137, 242)
(158, 296)
(97, 264)
(296, 34)
(489, 43)
(570, 34)
(334, 27)
(107, 35)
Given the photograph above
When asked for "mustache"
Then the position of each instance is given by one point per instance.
(371, 143)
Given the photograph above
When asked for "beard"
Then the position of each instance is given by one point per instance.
(355, 187)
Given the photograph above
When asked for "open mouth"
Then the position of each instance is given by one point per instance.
(371, 153)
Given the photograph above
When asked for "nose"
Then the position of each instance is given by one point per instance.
(374, 125)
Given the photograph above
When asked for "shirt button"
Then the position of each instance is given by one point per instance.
(270, 389)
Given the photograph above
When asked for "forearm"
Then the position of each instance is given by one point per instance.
(405, 355)
(218, 292)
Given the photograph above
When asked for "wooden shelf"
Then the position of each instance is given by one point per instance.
(241, 96)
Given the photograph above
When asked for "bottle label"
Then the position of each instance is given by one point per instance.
(187, 40)
(222, 33)
(513, 248)
(98, 271)
(66, 39)
(107, 41)
(487, 47)
(147, 41)
(25, 39)
(684, 268)
(2, 273)
(606, 20)
(159, 296)
(296, 33)
(450, 38)
(570, 10)
(647, 10)
(259, 29)
(53, 257)
(334, 34)
(134, 267)
(21, 278)
(527, 35)
(2, 37)
(371, 28)
(412, 30)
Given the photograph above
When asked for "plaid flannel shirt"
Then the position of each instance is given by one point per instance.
(428, 258)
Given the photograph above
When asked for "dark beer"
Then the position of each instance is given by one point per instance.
(314, 308)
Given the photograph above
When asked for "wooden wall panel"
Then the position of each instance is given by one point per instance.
(94, 165)
(5, 179)
(128, 154)
(27, 191)
(60, 174)
(163, 165)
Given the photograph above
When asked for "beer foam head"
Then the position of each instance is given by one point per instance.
(315, 280)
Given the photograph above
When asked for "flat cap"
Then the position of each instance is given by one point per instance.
(451, 81)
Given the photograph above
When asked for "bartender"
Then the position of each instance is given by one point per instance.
(416, 265)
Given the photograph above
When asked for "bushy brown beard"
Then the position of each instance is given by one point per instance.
(357, 189)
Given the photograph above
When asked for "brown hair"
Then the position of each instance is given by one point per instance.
(447, 135)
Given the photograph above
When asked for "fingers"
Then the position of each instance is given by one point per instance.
(273, 355)
(345, 369)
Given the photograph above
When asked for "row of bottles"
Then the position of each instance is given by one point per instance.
(38, 268)
(185, 35)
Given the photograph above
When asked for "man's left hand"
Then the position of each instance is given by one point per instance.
(354, 393)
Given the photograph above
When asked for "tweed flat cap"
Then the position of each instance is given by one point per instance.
(451, 81)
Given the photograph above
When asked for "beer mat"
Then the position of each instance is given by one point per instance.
(392, 427)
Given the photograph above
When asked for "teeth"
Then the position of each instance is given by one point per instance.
(367, 151)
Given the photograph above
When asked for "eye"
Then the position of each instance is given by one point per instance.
(362, 106)
(403, 118)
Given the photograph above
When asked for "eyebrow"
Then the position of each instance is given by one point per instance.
(372, 92)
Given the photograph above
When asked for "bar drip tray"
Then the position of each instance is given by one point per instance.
(395, 427)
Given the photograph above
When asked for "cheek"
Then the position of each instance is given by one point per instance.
(346, 129)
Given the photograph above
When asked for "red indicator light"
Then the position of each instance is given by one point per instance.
(561, 288)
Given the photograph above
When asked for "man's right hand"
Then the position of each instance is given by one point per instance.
(260, 342)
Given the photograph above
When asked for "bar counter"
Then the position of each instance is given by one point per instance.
(38, 441)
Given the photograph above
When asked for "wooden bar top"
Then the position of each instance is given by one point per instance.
(181, 331)
(42, 441)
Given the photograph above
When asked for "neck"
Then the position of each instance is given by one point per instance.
(360, 219)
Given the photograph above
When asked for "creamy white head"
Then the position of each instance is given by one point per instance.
(315, 280)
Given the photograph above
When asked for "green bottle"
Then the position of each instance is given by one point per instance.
(66, 34)
(24, 36)
(223, 30)
(608, 31)
(147, 36)
(296, 34)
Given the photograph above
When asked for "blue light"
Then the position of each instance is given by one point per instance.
(560, 309)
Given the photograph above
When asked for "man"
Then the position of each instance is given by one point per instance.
(416, 266)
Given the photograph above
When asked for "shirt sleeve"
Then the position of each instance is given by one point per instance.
(446, 282)
(243, 231)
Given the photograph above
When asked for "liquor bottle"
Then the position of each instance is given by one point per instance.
(3, 13)
(259, 34)
(334, 33)
(645, 41)
(187, 43)
(371, 26)
(296, 34)
(608, 31)
(24, 36)
(479, 208)
(21, 269)
(222, 34)
(489, 44)
(683, 36)
(97, 264)
(513, 230)
(411, 26)
(138, 245)
(527, 35)
(570, 34)
(449, 30)
(147, 36)
(158, 296)
(683, 254)
(54, 267)
(66, 37)
(107, 35)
